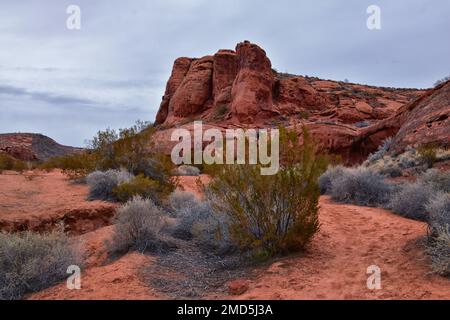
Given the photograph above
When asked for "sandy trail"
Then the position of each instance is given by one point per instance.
(351, 239)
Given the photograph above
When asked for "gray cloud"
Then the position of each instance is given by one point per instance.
(113, 71)
(42, 96)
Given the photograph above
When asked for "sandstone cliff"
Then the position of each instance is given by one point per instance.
(239, 88)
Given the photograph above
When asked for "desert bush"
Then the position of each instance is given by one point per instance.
(9, 163)
(438, 248)
(141, 186)
(30, 262)
(390, 169)
(332, 173)
(181, 199)
(381, 152)
(188, 171)
(102, 184)
(361, 186)
(428, 154)
(274, 214)
(137, 227)
(197, 221)
(75, 166)
(438, 180)
(407, 160)
(411, 200)
(439, 211)
(438, 245)
(133, 149)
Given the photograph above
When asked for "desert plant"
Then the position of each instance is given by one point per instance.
(438, 248)
(361, 186)
(381, 152)
(185, 170)
(141, 186)
(428, 154)
(410, 201)
(137, 227)
(181, 199)
(391, 169)
(197, 221)
(274, 214)
(332, 173)
(102, 184)
(439, 211)
(407, 160)
(30, 262)
(438, 180)
(9, 163)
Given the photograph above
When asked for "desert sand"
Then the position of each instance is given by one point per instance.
(334, 266)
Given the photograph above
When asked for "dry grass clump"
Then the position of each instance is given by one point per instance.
(30, 262)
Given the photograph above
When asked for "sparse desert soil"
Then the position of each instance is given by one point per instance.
(334, 266)
(38, 200)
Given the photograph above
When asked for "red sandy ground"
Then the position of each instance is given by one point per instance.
(334, 267)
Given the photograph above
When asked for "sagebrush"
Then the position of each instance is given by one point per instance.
(361, 186)
(137, 226)
(102, 184)
(30, 262)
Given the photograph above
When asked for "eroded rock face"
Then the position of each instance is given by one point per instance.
(239, 88)
(426, 120)
(194, 92)
(180, 68)
(252, 88)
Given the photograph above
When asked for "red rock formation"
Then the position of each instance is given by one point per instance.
(32, 147)
(179, 71)
(252, 89)
(240, 89)
(425, 121)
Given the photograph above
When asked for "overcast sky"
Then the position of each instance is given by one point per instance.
(68, 84)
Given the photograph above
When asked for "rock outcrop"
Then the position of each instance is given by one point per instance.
(239, 88)
(33, 147)
(426, 120)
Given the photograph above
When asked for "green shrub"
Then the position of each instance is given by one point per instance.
(141, 186)
(76, 166)
(428, 154)
(133, 149)
(272, 214)
(138, 224)
(9, 163)
(361, 186)
(30, 262)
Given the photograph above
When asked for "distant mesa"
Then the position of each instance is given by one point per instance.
(33, 147)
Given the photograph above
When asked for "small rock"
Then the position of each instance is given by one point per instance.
(237, 287)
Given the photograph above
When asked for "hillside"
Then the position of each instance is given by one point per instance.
(33, 147)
